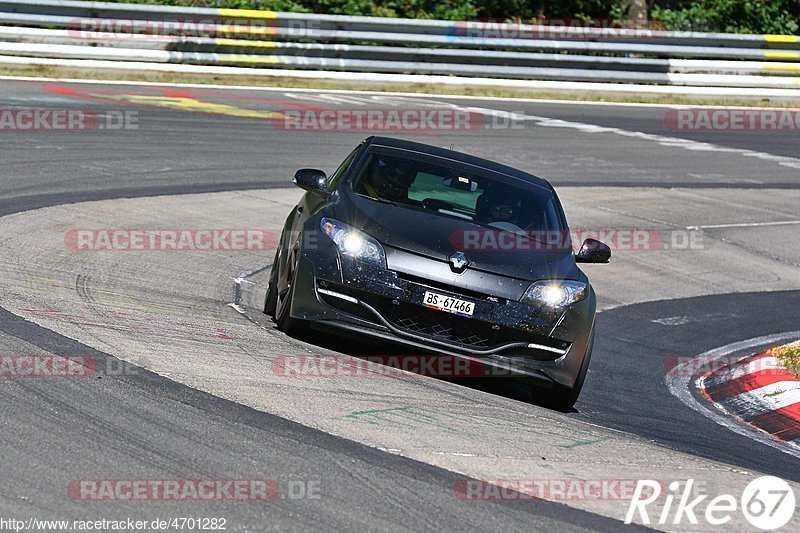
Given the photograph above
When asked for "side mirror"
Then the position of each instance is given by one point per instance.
(593, 251)
(311, 180)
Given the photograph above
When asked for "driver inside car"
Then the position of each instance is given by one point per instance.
(390, 179)
(501, 210)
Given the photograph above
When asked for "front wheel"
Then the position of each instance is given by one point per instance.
(283, 301)
(271, 301)
(562, 398)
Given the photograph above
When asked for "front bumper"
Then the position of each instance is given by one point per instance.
(507, 337)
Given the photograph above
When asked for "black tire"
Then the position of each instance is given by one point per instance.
(271, 299)
(562, 398)
(283, 318)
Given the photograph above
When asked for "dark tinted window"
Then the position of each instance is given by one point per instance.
(437, 186)
(333, 179)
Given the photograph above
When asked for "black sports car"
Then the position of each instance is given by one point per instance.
(442, 252)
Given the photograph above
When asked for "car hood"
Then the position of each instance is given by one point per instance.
(438, 237)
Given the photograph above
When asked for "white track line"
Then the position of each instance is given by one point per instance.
(746, 225)
(663, 140)
(540, 121)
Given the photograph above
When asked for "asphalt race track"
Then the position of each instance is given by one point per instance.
(201, 400)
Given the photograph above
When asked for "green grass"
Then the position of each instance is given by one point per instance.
(789, 356)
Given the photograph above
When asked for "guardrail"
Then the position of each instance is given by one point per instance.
(152, 34)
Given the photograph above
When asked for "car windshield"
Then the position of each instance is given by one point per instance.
(456, 193)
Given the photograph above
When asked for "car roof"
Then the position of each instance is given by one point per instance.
(391, 142)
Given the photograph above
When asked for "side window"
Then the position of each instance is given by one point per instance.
(333, 180)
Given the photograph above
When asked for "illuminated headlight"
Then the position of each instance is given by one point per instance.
(354, 243)
(555, 293)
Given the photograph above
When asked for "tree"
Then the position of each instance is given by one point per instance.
(637, 13)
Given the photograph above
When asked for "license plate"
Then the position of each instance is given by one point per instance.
(448, 304)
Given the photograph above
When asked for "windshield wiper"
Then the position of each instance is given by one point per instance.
(381, 200)
(528, 234)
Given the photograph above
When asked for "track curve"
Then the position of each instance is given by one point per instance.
(624, 390)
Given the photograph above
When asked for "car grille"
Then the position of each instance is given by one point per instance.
(463, 333)
(440, 326)
(466, 333)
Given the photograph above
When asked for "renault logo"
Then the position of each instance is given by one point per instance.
(458, 262)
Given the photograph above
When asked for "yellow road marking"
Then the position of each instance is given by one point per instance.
(191, 104)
